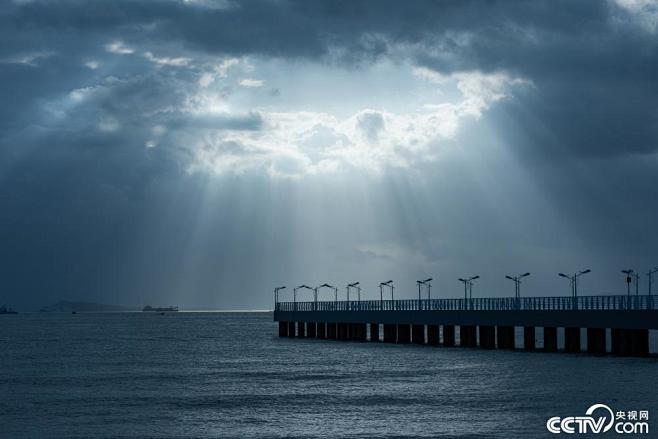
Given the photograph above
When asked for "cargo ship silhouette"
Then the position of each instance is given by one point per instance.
(149, 308)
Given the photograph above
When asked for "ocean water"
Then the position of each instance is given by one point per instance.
(212, 375)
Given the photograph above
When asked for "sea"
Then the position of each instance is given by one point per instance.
(228, 375)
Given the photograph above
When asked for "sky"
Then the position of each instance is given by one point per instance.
(200, 153)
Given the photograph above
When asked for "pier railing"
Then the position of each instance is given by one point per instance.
(481, 304)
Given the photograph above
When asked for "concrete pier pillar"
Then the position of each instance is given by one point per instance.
(404, 333)
(550, 339)
(358, 331)
(374, 332)
(630, 342)
(505, 337)
(620, 342)
(433, 335)
(322, 330)
(301, 329)
(473, 336)
(363, 332)
(463, 336)
(311, 330)
(390, 333)
(596, 341)
(291, 329)
(342, 331)
(448, 335)
(487, 337)
(283, 329)
(640, 342)
(331, 331)
(529, 338)
(418, 334)
(572, 340)
(468, 336)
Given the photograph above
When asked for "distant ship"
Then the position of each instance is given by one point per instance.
(5, 310)
(149, 308)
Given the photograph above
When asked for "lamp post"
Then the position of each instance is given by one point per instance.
(517, 286)
(276, 295)
(325, 285)
(650, 275)
(381, 293)
(356, 286)
(468, 287)
(294, 294)
(426, 283)
(574, 284)
(465, 282)
(628, 274)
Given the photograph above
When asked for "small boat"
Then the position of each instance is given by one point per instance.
(149, 308)
(5, 310)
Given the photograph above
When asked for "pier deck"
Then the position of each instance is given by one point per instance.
(485, 322)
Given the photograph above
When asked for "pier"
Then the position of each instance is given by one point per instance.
(617, 325)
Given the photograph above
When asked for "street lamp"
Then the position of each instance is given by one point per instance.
(427, 283)
(385, 284)
(327, 286)
(574, 283)
(294, 292)
(650, 275)
(517, 283)
(468, 286)
(358, 290)
(276, 295)
(628, 274)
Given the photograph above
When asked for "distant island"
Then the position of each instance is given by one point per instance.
(66, 306)
(149, 308)
(6, 310)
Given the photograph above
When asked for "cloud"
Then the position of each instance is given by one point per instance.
(430, 75)
(369, 140)
(217, 71)
(370, 124)
(581, 53)
(30, 59)
(167, 61)
(206, 79)
(119, 48)
(108, 124)
(642, 12)
(251, 83)
(223, 67)
(569, 47)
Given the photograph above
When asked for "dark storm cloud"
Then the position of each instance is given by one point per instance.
(592, 63)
